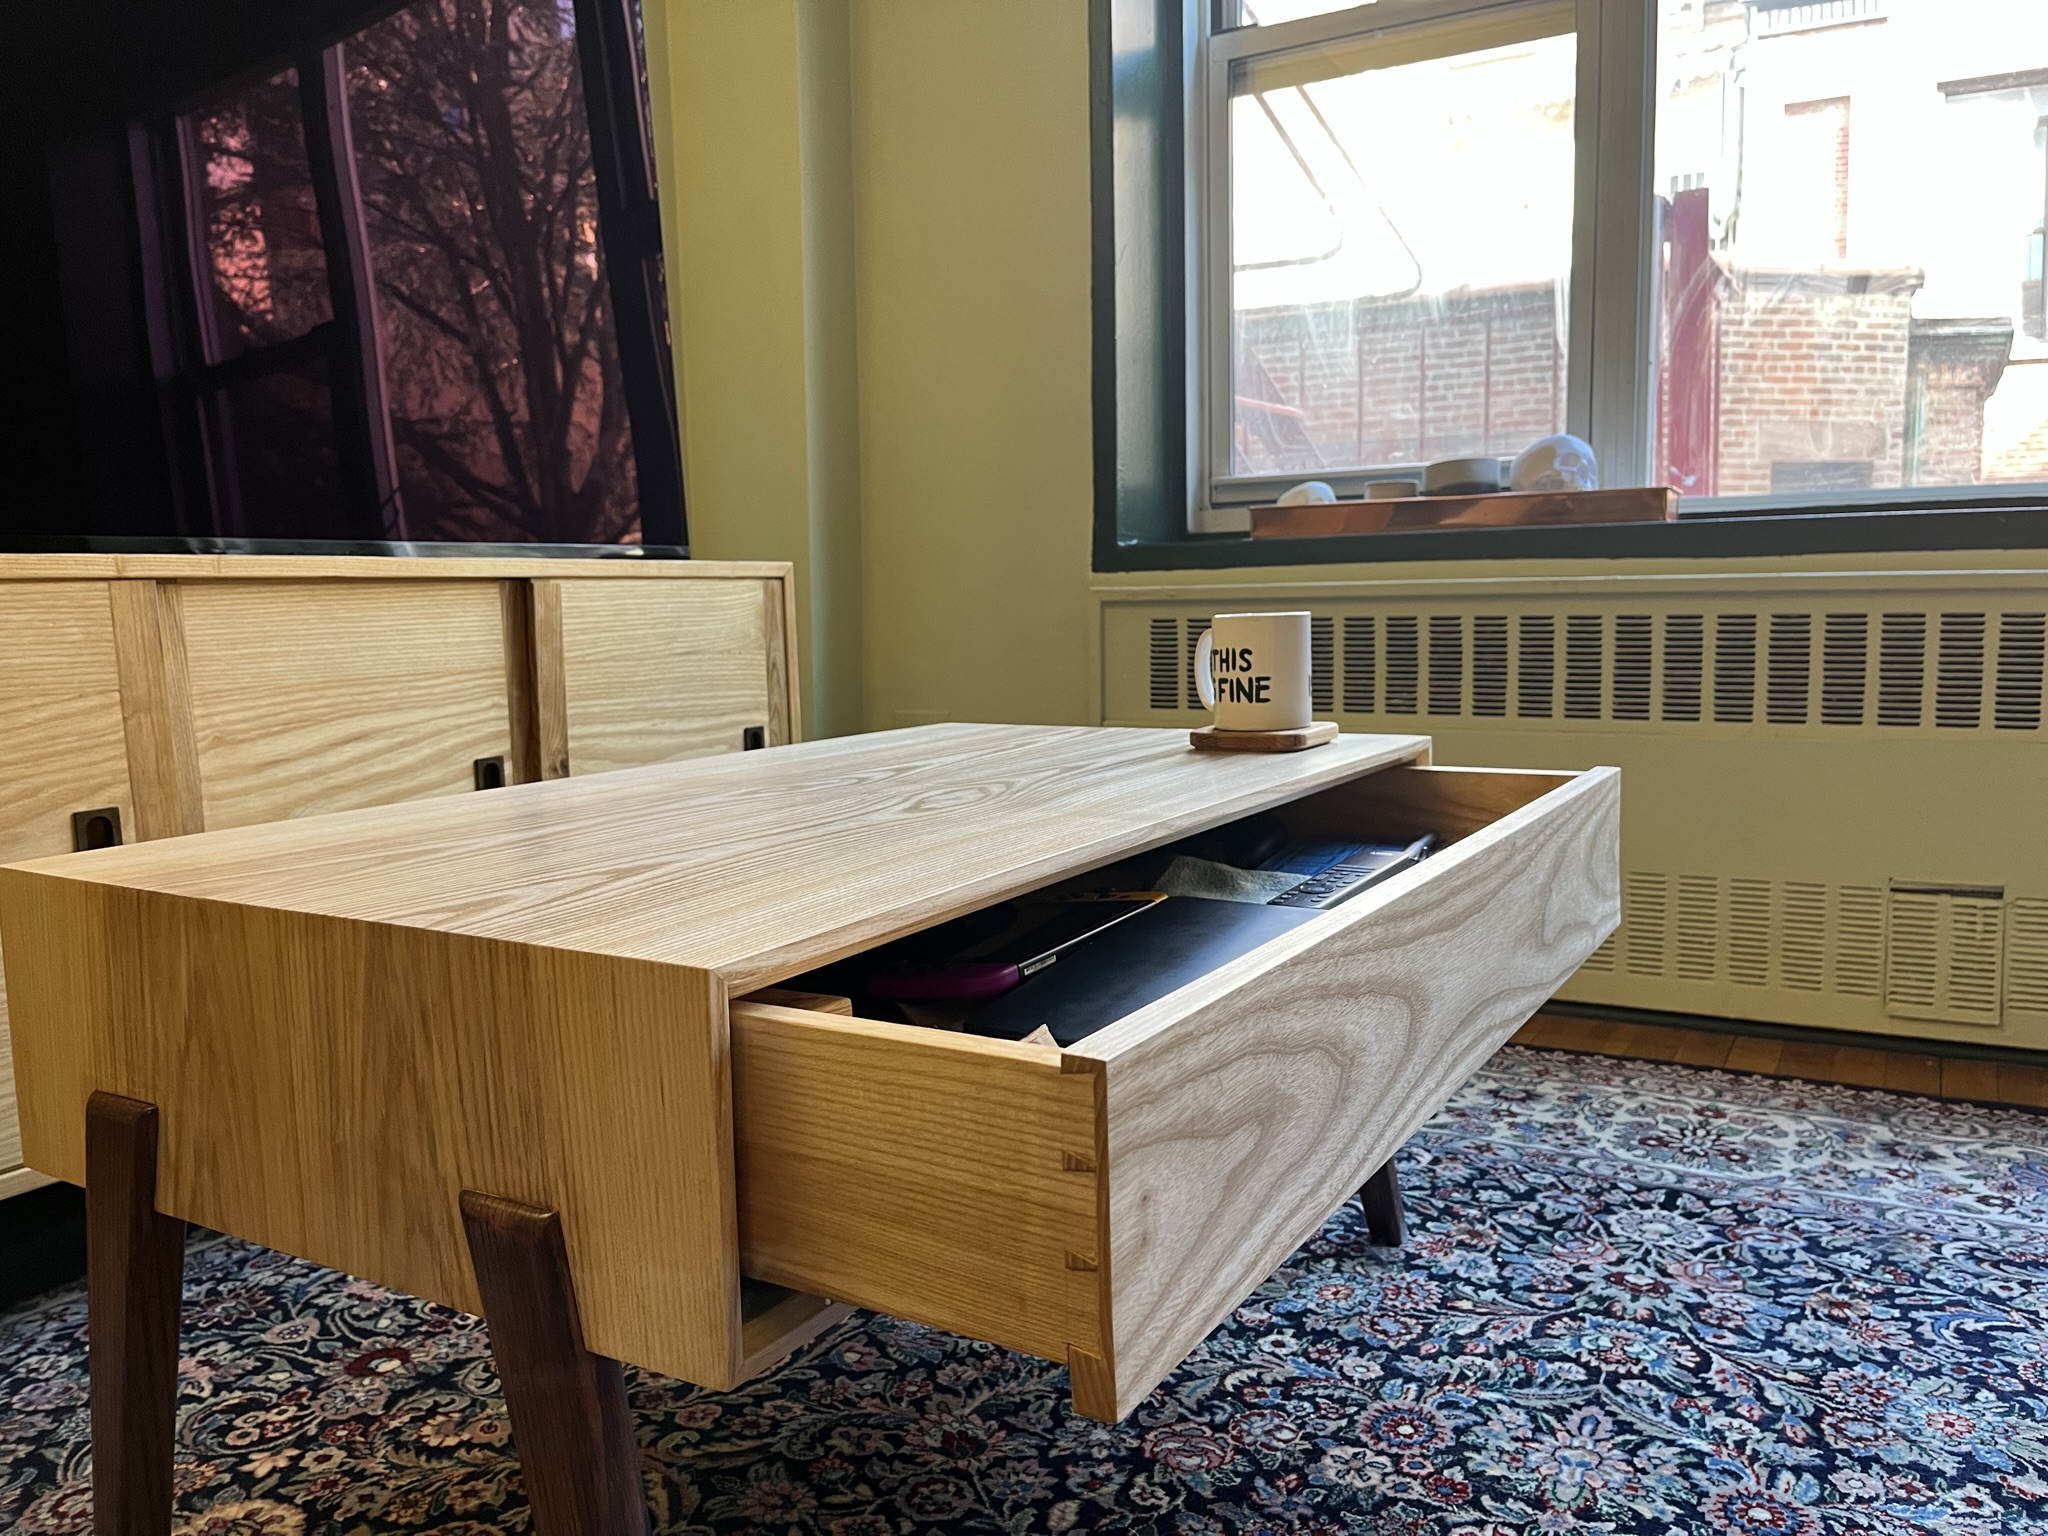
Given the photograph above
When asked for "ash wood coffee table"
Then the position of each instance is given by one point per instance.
(498, 1052)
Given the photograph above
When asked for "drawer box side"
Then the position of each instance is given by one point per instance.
(1243, 1110)
(940, 1177)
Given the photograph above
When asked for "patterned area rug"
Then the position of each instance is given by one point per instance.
(1636, 1298)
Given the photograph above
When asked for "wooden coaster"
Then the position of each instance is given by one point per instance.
(1208, 739)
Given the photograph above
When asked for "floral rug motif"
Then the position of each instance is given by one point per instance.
(1636, 1298)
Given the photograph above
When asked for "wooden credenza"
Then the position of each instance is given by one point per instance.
(149, 696)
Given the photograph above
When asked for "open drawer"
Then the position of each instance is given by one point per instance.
(1109, 1204)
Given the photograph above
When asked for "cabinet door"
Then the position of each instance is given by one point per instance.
(62, 750)
(314, 696)
(659, 669)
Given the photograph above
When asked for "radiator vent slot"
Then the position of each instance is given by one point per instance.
(2022, 643)
(1789, 678)
(1361, 664)
(1164, 670)
(1959, 672)
(1859, 941)
(1322, 645)
(1602, 959)
(1699, 927)
(1404, 664)
(1735, 668)
(1490, 665)
(1645, 897)
(1749, 932)
(1901, 668)
(1583, 639)
(1685, 655)
(1943, 953)
(1196, 629)
(1803, 936)
(1844, 668)
(1446, 664)
(1633, 660)
(2026, 957)
(1537, 683)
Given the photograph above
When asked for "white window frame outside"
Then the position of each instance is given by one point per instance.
(1616, 231)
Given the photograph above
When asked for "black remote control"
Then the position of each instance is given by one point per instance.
(1365, 865)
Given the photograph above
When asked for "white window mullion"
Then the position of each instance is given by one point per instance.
(1612, 363)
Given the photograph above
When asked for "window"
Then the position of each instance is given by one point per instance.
(1782, 256)
(411, 287)
(1377, 310)
(1847, 310)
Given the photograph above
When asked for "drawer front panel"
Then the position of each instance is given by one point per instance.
(656, 671)
(325, 696)
(941, 1177)
(1247, 1107)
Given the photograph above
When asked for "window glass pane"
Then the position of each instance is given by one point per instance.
(480, 203)
(261, 291)
(1400, 251)
(277, 477)
(1851, 294)
(266, 279)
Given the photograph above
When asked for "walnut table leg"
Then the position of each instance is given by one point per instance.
(1386, 1223)
(135, 1263)
(570, 1420)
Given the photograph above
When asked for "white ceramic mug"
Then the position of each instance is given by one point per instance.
(1252, 669)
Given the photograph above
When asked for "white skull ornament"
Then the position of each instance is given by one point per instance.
(1560, 463)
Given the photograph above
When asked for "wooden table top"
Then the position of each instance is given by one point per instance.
(754, 866)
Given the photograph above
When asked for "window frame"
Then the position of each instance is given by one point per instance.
(1159, 102)
(1444, 28)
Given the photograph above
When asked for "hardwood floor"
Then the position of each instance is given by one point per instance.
(1906, 1070)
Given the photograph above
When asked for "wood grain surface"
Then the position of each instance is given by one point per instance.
(133, 1298)
(321, 696)
(62, 747)
(1243, 1109)
(695, 863)
(783, 1329)
(156, 708)
(1208, 738)
(1412, 802)
(941, 1177)
(330, 1088)
(325, 683)
(656, 672)
(550, 687)
(1502, 509)
(627, 567)
(571, 1423)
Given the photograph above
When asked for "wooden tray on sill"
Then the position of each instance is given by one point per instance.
(1502, 509)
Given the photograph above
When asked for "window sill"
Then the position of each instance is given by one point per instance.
(1740, 535)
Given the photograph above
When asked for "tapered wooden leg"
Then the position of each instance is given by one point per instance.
(570, 1419)
(1386, 1223)
(135, 1266)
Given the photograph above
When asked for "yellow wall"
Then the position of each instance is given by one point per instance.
(972, 152)
(950, 578)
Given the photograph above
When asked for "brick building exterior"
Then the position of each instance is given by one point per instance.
(1377, 382)
(1823, 380)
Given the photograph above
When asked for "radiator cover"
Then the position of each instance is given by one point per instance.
(1835, 788)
